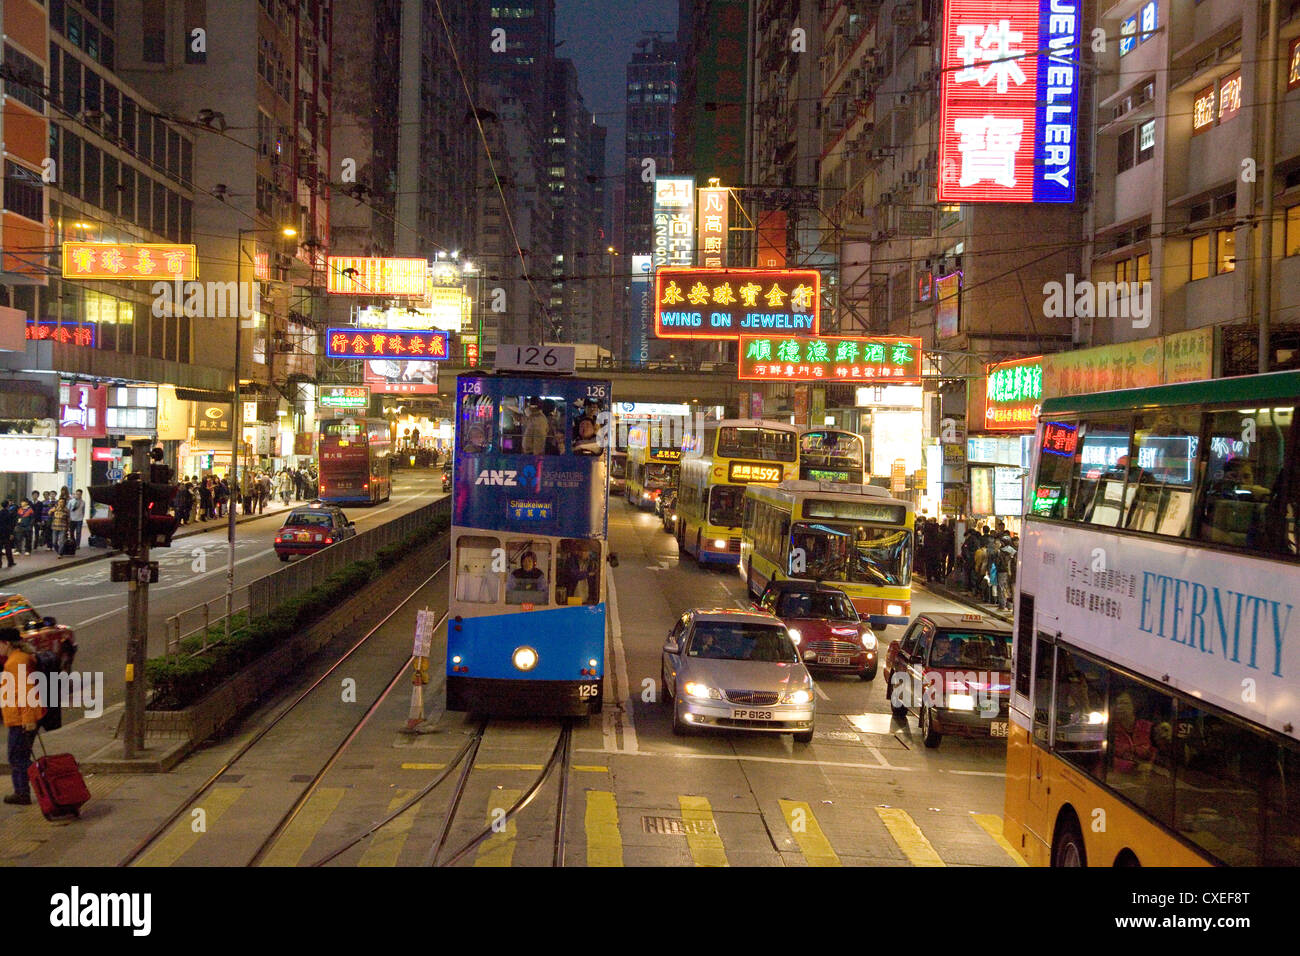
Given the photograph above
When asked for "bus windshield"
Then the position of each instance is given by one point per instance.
(660, 476)
(864, 555)
(763, 444)
(726, 505)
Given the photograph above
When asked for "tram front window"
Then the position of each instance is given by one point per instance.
(863, 555)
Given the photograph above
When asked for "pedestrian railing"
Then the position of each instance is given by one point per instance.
(260, 597)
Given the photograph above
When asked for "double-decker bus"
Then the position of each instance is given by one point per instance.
(855, 537)
(1154, 707)
(526, 627)
(718, 463)
(651, 469)
(354, 461)
(831, 454)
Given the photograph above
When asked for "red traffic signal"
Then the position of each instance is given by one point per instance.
(160, 530)
(123, 529)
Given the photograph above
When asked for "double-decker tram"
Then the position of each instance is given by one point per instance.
(526, 627)
(718, 463)
(1157, 644)
(855, 537)
(651, 469)
(831, 454)
(354, 461)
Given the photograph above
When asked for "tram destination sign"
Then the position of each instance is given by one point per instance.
(724, 303)
(784, 358)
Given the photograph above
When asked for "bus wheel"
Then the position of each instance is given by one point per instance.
(699, 550)
(1067, 848)
(749, 579)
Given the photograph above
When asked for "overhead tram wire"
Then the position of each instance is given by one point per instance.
(487, 149)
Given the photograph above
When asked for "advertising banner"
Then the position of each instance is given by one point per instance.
(723, 303)
(129, 260)
(82, 408)
(344, 396)
(715, 224)
(364, 275)
(24, 453)
(641, 308)
(212, 422)
(674, 221)
(1189, 356)
(1105, 368)
(1013, 394)
(427, 344)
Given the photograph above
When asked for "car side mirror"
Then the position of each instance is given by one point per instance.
(672, 647)
(613, 560)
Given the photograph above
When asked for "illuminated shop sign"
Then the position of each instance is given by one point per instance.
(1008, 117)
(1013, 394)
(896, 359)
(129, 260)
(361, 275)
(65, 333)
(423, 344)
(344, 396)
(723, 303)
(715, 210)
(674, 221)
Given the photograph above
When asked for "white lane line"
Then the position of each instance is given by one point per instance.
(875, 752)
(780, 760)
(975, 773)
(620, 662)
(821, 693)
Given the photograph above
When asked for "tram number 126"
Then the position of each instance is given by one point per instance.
(586, 691)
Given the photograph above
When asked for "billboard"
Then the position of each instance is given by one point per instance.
(129, 260)
(715, 216)
(674, 221)
(25, 454)
(873, 358)
(389, 376)
(723, 303)
(638, 333)
(82, 410)
(1013, 394)
(427, 344)
(1008, 115)
(947, 292)
(362, 275)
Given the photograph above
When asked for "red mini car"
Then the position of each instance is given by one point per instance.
(311, 528)
(824, 625)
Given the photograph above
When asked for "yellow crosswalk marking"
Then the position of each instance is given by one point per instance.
(181, 838)
(293, 843)
(386, 845)
(808, 833)
(499, 848)
(702, 832)
(909, 837)
(604, 844)
(992, 825)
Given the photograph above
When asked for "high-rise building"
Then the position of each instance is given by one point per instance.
(651, 97)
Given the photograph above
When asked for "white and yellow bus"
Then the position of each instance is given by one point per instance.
(718, 463)
(651, 471)
(1156, 690)
(855, 537)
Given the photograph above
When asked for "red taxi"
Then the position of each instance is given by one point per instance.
(308, 529)
(954, 672)
(824, 625)
(43, 633)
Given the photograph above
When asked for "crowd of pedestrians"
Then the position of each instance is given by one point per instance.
(209, 498)
(49, 520)
(984, 565)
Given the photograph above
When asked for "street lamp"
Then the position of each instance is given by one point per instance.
(236, 414)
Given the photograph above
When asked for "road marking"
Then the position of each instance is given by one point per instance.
(909, 837)
(976, 773)
(499, 848)
(821, 693)
(620, 663)
(808, 833)
(180, 839)
(293, 843)
(881, 724)
(423, 766)
(604, 843)
(706, 845)
(586, 768)
(783, 760)
(386, 845)
(992, 825)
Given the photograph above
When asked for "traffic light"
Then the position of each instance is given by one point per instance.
(122, 530)
(159, 525)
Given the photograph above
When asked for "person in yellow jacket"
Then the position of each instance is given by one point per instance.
(20, 708)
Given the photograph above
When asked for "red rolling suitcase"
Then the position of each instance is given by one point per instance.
(60, 789)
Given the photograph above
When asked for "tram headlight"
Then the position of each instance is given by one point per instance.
(593, 662)
(524, 658)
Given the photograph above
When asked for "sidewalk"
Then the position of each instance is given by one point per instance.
(962, 596)
(43, 559)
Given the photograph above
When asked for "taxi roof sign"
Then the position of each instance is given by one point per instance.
(972, 617)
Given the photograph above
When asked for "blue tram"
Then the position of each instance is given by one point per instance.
(526, 629)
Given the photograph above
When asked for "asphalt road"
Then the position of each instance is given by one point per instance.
(190, 572)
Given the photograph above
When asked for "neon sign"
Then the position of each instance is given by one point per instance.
(423, 344)
(129, 260)
(721, 303)
(1013, 394)
(65, 333)
(765, 358)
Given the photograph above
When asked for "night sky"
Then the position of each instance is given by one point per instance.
(599, 37)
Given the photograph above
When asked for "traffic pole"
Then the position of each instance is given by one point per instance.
(137, 640)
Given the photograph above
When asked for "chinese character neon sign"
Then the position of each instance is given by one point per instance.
(722, 303)
(65, 333)
(129, 260)
(1008, 113)
(422, 344)
(788, 359)
(674, 221)
(1013, 394)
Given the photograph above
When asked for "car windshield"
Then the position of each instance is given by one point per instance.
(859, 553)
(317, 519)
(726, 505)
(816, 604)
(19, 615)
(971, 650)
(722, 641)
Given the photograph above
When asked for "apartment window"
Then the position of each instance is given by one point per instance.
(143, 197)
(75, 28)
(1144, 267)
(1293, 69)
(1128, 35)
(111, 186)
(145, 146)
(1293, 231)
(71, 84)
(153, 32)
(1201, 257)
(128, 192)
(128, 123)
(70, 174)
(1146, 140)
(1225, 245)
(30, 77)
(159, 218)
(1135, 145)
(187, 162)
(107, 53)
(23, 192)
(90, 97)
(1123, 271)
(90, 179)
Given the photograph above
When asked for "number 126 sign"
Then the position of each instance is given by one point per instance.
(535, 358)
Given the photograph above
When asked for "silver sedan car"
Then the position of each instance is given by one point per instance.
(736, 670)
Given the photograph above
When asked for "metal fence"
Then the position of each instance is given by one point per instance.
(262, 596)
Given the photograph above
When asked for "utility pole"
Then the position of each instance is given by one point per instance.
(137, 640)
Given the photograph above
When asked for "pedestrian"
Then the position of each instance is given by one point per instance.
(221, 496)
(8, 522)
(76, 516)
(284, 485)
(20, 709)
(205, 499)
(26, 524)
(263, 491)
(59, 525)
(246, 491)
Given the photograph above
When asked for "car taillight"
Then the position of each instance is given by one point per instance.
(278, 539)
(329, 540)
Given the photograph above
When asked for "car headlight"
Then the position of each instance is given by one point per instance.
(703, 691)
(525, 658)
(961, 702)
(794, 634)
(801, 696)
(894, 609)
(869, 640)
(674, 517)
(719, 542)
